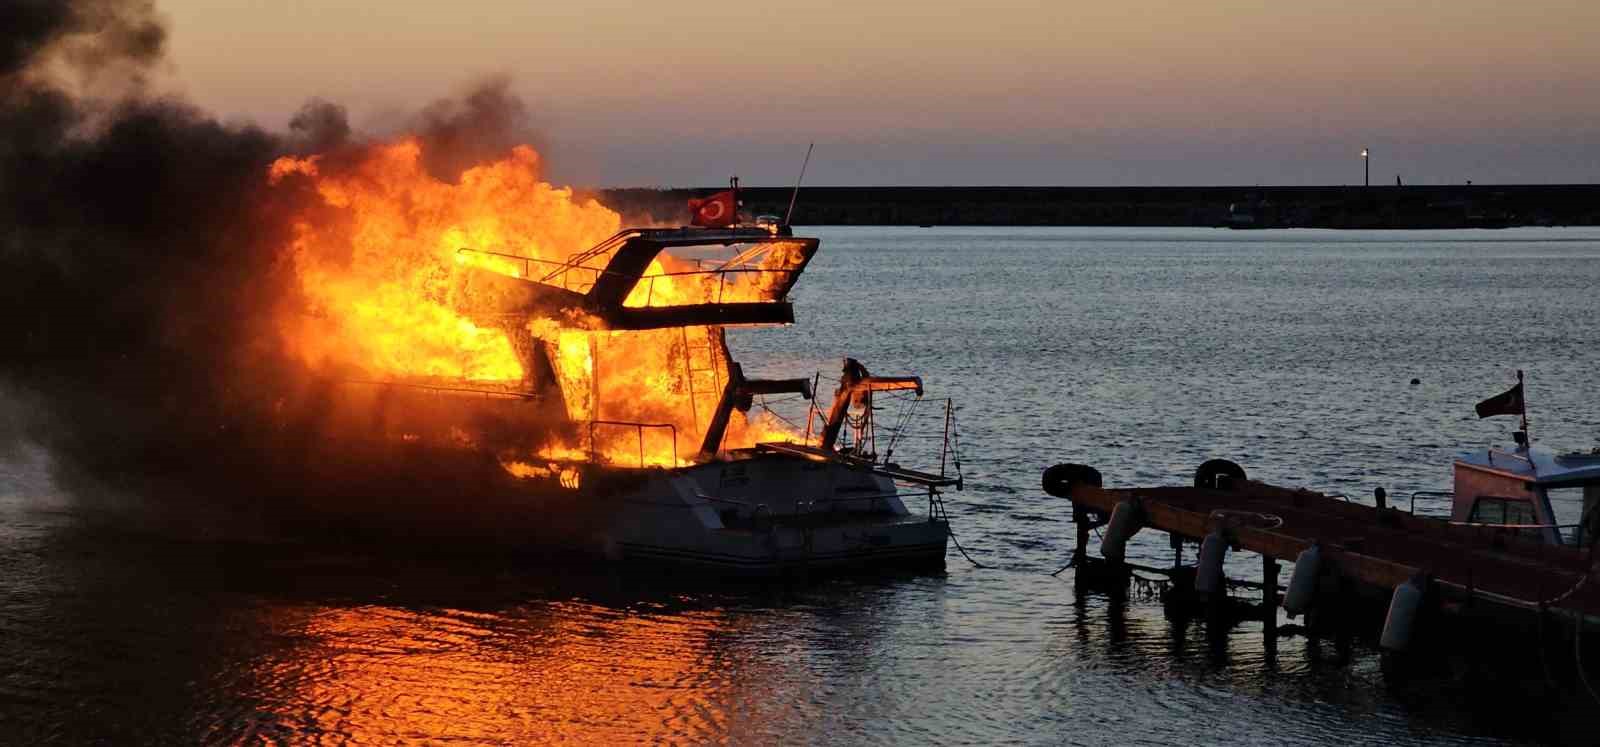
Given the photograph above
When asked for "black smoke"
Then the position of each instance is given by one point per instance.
(132, 229)
(481, 124)
(141, 266)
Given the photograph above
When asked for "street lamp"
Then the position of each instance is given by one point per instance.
(1366, 168)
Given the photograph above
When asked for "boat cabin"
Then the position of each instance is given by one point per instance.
(1532, 492)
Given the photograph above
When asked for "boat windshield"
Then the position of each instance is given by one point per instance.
(1570, 504)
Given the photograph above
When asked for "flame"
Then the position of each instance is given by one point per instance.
(380, 271)
(566, 475)
(670, 281)
(378, 255)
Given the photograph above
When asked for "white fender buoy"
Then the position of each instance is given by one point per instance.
(1208, 577)
(1125, 522)
(1303, 583)
(1402, 618)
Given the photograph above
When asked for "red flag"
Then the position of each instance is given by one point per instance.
(716, 211)
(1508, 402)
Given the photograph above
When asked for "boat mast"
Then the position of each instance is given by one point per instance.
(1522, 400)
(788, 218)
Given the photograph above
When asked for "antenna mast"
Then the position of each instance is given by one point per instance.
(1522, 404)
(789, 218)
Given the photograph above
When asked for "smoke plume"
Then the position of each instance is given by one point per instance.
(128, 223)
(140, 265)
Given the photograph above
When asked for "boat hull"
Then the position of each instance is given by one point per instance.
(773, 514)
(917, 544)
(750, 514)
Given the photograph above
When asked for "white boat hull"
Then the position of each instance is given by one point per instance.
(773, 514)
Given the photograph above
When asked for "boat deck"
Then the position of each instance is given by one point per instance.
(891, 471)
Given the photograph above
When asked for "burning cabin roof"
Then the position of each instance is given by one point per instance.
(640, 286)
(637, 351)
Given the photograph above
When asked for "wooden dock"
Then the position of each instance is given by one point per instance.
(1364, 547)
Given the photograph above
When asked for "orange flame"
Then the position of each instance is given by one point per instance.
(380, 268)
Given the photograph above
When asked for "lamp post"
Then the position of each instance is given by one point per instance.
(1366, 168)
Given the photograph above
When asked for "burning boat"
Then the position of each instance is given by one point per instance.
(771, 505)
(589, 400)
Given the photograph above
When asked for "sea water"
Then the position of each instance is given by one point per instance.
(1141, 352)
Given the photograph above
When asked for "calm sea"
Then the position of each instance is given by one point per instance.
(1141, 352)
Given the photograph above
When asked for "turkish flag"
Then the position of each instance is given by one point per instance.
(716, 211)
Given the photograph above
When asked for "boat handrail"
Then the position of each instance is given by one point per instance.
(619, 238)
(578, 259)
(1430, 494)
(594, 455)
(1577, 537)
(1514, 455)
(722, 280)
(487, 393)
(563, 269)
(847, 499)
(719, 499)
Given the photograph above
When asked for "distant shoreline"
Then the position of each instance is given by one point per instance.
(1353, 207)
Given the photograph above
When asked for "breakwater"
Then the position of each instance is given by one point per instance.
(1453, 206)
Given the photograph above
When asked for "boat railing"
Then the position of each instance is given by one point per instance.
(580, 278)
(1429, 495)
(808, 504)
(580, 259)
(484, 392)
(639, 428)
(851, 498)
(1577, 536)
(563, 270)
(721, 274)
(729, 501)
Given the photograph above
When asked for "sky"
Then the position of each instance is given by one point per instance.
(894, 92)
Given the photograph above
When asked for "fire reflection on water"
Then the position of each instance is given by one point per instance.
(562, 671)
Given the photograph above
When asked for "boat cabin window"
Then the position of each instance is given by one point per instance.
(1571, 506)
(1497, 510)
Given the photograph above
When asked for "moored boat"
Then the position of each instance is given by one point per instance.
(1513, 559)
(633, 433)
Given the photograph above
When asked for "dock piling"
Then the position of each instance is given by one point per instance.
(1080, 519)
(1269, 600)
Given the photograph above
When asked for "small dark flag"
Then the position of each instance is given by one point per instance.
(1508, 402)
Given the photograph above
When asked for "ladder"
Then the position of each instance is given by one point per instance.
(691, 370)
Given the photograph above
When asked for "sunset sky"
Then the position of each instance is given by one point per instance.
(1137, 92)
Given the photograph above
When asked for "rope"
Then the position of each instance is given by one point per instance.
(905, 419)
(955, 448)
(1577, 622)
(963, 550)
(1586, 574)
(1270, 521)
(1544, 660)
(952, 532)
(774, 413)
(1577, 654)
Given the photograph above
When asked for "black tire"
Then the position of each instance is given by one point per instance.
(1216, 473)
(1059, 479)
